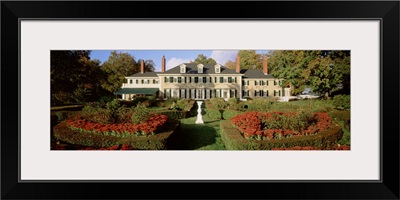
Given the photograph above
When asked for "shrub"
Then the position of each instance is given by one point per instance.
(181, 104)
(173, 114)
(95, 113)
(105, 99)
(218, 103)
(342, 116)
(61, 116)
(140, 114)
(341, 102)
(260, 104)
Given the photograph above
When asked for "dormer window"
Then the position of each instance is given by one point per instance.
(200, 68)
(183, 68)
(217, 69)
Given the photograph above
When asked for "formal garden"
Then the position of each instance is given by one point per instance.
(147, 123)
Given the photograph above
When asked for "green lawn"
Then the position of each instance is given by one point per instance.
(192, 136)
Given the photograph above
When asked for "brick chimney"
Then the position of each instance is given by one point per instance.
(141, 66)
(237, 63)
(265, 65)
(163, 64)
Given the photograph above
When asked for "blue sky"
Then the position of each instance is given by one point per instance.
(173, 57)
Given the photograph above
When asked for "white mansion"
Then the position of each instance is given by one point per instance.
(204, 81)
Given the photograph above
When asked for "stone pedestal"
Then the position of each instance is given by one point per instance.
(199, 119)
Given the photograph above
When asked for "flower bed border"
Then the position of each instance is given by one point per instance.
(234, 140)
(151, 142)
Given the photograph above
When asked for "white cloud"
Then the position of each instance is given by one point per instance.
(173, 62)
(222, 56)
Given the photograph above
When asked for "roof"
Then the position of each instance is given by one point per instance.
(191, 68)
(137, 91)
(254, 73)
(146, 74)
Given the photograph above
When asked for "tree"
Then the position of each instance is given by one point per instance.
(231, 65)
(116, 68)
(291, 66)
(149, 66)
(67, 71)
(323, 72)
(249, 59)
(202, 59)
(89, 87)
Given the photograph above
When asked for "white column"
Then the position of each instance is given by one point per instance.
(193, 93)
(123, 96)
(187, 93)
(229, 93)
(208, 94)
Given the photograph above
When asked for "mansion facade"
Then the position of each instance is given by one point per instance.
(204, 81)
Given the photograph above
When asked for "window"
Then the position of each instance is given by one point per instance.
(262, 83)
(183, 68)
(221, 79)
(255, 82)
(204, 79)
(179, 79)
(137, 81)
(229, 79)
(154, 81)
(235, 79)
(130, 81)
(184, 78)
(200, 68)
(217, 70)
(200, 80)
(279, 93)
(266, 84)
(165, 79)
(215, 80)
(142, 81)
(210, 80)
(275, 82)
(196, 79)
(247, 83)
(171, 79)
(190, 79)
(267, 93)
(261, 93)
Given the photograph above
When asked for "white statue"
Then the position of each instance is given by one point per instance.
(199, 119)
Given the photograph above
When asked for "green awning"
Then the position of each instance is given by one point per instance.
(137, 91)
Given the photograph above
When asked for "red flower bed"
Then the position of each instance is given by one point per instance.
(150, 126)
(256, 124)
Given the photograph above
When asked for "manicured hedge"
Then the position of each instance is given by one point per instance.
(152, 142)
(214, 113)
(173, 114)
(235, 141)
(226, 114)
